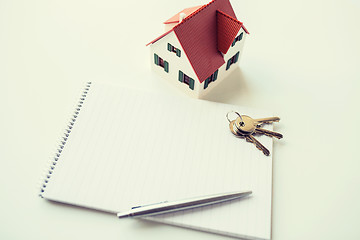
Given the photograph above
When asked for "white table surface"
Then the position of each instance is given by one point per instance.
(301, 61)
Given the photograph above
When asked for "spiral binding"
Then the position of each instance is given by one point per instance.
(63, 141)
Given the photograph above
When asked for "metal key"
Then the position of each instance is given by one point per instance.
(245, 124)
(268, 133)
(248, 137)
(261, 121)
(249, 122)
(259, 146)
(245, 127)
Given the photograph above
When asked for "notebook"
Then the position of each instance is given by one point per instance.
(127, 147)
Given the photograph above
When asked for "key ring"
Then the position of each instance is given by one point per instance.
(227, 116)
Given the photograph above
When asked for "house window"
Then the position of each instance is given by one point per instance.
(186, 79)
(171, 48)
(160, 62)
(232, 60)
(210, 79)
(237, 39)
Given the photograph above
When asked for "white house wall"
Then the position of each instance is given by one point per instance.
(176, 63)
(223, 73)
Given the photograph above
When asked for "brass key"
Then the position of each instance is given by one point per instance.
(259, 146)
(248, 137)
(245, 126)
(268, 133)
(261, 121)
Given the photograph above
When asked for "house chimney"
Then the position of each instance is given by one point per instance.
(181, 17)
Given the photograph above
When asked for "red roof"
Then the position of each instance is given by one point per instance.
(187, 11)
(227, 28)
(205, 33)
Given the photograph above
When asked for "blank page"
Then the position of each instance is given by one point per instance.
(130, 147)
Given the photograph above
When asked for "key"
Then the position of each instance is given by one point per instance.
(260, 121)
(259, 146)
(245, 124)
(268, 133)
(255, 122)
(245, 127)
(241, 125)
(233, 128)
(248, 137)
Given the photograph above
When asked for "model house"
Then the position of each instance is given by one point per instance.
(200, 47)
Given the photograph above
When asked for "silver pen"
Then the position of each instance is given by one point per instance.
(165, 207)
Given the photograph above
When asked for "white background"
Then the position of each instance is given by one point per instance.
(300, 61)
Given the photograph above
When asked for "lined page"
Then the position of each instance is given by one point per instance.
(131, 148)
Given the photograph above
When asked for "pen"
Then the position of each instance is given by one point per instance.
(165, 207)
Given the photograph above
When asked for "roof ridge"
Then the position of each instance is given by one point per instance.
(227, 27)
(229, 17)
(187, 11)
(194, 13)
(233, 19)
